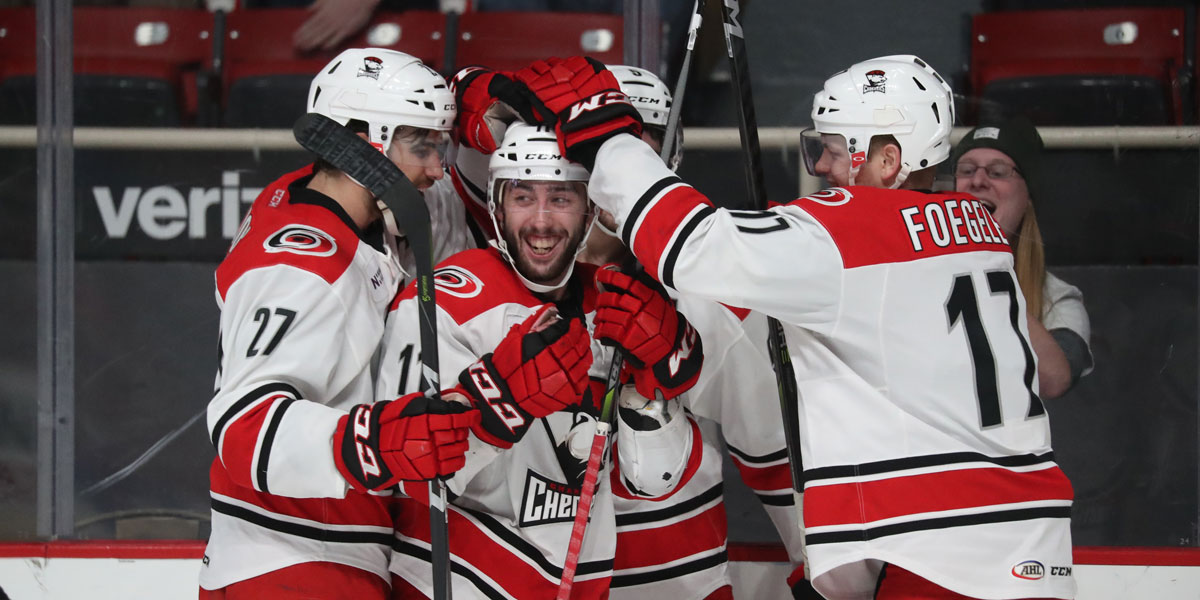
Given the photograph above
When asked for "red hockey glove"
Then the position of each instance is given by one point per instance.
(587, 100)
(532, 373)
(487, 102)
(661, 349)
(412, 438)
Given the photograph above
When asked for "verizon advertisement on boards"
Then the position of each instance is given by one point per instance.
(145, 205)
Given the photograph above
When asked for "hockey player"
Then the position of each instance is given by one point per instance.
(303, 294)
(927, 460)
(515, 500)
(676, 548)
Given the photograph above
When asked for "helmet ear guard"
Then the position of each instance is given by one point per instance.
(901, 96)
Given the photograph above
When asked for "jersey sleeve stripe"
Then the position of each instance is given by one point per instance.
(242, 403)
(672, 572)
(268, 441)
(672, 511)
(864, 502)
(642, 204)
(668, 265)
(757, 460)
(490, 525)
(422, 554)
(924, 461)
(320, 534)
(766, 478)
(1003, 516)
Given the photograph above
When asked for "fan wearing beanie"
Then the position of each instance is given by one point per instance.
(1000, 163)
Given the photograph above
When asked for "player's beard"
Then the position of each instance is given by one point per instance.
(544, 274)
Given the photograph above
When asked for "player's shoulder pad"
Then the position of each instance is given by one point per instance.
(472, 282)
(277, 232)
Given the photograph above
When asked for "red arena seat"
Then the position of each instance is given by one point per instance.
(1112, 66)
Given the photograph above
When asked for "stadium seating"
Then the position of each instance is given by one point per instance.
(1113, 66)
(266, 79)
(501, 40)
(133, 66)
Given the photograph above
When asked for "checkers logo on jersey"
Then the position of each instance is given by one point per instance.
(301, 239)
(457, 282)
(547, 501)
(1031, 570)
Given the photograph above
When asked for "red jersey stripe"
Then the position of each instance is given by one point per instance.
(869, 501)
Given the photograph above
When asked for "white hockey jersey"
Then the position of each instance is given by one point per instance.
(676, 547)
(303, 297)
(924, 444)
(512, 510)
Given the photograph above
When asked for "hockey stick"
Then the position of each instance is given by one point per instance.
(612, 387)
(735, 45)
(369, 167)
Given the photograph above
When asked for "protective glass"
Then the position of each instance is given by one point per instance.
(421, 147)
(996, 170)
(565, 197)
(811, 149)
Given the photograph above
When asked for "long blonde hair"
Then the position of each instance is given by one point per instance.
(1029, 261)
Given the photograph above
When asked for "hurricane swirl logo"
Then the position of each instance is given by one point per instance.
(300, 239)
(831, 197)
(457, 282)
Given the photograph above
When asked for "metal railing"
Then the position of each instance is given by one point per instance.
(698, 138)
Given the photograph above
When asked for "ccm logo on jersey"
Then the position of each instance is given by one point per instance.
(301, 239)
(547, 501)
(598, 101)
(457, 282)
(1030, 569)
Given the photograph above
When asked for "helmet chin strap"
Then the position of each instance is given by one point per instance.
(901, 177)
(605, 230)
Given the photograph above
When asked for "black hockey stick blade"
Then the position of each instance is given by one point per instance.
(343, 149)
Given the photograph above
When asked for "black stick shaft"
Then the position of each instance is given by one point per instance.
(368, 166)
(735, 45)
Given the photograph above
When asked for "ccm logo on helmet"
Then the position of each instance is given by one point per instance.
(536, 156)
(598, 101)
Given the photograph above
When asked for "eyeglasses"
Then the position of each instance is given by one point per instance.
(995, 170)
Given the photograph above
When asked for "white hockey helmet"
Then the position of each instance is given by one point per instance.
(652, 99)
(648, 94)
(531, 153)
(897, 95)
(385, 89)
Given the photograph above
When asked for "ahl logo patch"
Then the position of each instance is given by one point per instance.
(1031, 570)
(457, 282)
(547, 501)
(301, 239)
